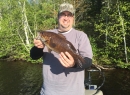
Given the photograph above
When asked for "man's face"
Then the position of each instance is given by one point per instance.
(65, 21)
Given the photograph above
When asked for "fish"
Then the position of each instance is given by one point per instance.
(57, 42)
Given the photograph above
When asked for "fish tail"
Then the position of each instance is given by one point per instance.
(80, 61)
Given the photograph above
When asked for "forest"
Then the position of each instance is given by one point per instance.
(106, 22)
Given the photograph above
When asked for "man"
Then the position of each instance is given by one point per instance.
(61, 75)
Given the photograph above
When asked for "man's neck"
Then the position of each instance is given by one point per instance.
(63, 31)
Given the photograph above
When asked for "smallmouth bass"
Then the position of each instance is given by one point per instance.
(58, 43)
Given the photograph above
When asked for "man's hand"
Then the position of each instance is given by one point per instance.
(38, 43)
(66, 59)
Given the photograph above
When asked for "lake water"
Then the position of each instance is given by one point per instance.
(21, 78)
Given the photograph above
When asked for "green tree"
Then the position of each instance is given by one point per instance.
(113, 33)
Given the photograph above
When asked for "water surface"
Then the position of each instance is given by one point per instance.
(22, 78)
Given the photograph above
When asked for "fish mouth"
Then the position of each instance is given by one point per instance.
(40, 38)
(43, 40)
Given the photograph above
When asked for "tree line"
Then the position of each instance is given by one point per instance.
(106, 22)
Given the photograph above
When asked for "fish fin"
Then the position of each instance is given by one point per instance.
(61, 35)
(49, 50)
(80, 60)
(79, 63)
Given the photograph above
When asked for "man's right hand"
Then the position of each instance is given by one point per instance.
(38, 43)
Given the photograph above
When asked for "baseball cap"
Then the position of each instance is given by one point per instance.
(66, 7)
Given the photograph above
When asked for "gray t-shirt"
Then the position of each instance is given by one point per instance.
(59, 80)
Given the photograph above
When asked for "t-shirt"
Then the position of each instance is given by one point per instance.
(59, 80)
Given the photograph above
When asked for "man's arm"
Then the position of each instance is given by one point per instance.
(36, 53)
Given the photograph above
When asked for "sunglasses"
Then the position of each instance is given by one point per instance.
(66, 14)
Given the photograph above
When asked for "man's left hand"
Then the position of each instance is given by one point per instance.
(66, 59)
